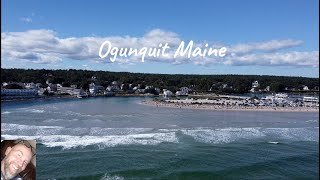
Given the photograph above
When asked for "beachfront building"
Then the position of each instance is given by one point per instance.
(255, 84)
(52, 88)
(157, 90)
(140, 91)
(167, 93)
(254, 87)
(67, 90)
(94, 89)
(78, 93)
(4, 84)
(30, 85)
(183, 91)
(113, 88)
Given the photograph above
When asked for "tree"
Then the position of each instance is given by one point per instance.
(66, 84)
(276, 87)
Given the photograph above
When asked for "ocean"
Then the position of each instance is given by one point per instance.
(119, 138)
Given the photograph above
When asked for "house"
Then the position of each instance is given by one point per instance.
(255, 84)
(224, 86)
(183, 91)
(113, 88)
(93, 88)
(52, 88)
(167, 93)
(78, 92)
(140, 91)
(305, 88)
(157, 90)
(30, 85)
(66, 90)
(38, 85)
(4, 84)
(115, 83)
(267, 89)
(252, 90)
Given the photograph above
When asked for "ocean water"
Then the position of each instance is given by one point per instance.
(120, 138)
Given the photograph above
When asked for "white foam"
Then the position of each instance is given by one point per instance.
(6, 112)
(122, 115)
(26, 127)
(72, 113)
(294, 134)
(97, 131)
(37, 111)
(109, 177)
(59, 130)
(29, 129)
(273, 142)
(57, 120)
(313, 120)
(67, 141)
(69, 137)
(228, 135)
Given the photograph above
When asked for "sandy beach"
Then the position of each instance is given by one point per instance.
(157, 103)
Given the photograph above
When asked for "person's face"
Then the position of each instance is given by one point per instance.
(16, 160)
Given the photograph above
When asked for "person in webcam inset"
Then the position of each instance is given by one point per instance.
(18, 160)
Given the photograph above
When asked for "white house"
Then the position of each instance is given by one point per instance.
(52, 88)
(167, 93)
(255, 84)
(183, 91)
(93, 88)
(30, 85)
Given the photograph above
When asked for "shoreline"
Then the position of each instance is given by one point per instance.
(228, 108)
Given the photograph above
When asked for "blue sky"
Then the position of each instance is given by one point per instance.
(278, 37)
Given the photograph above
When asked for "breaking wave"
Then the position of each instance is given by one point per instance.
(58, 136)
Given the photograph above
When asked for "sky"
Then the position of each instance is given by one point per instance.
(267, 37)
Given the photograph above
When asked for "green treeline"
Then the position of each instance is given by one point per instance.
(200, 83)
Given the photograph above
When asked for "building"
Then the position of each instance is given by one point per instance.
(255, 84)
(167, 93)
(30, 85)
(52, 88)
(305, 88)
(183, 91)
(93, 88)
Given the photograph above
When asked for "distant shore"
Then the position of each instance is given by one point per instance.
(157, 103)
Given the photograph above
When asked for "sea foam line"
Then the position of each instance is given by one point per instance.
(110, 137)
(67, 141)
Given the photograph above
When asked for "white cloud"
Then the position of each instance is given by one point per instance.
(45, 47)
(26, 19)
(276, 59)
(271, 45)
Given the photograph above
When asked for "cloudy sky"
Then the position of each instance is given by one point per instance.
(268, 37)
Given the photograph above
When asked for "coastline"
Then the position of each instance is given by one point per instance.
(155, 103)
